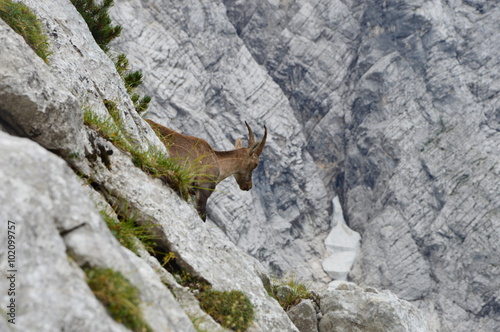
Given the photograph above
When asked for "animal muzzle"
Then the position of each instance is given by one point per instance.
(246, 186)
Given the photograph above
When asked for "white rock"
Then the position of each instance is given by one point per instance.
(349, 309)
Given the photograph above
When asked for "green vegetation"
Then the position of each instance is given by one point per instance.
(120, 298)
(232, 309)
(132, 80)
(20, 18)
(296, 291)
(141, 105)
(157, 164)
(98, 20)
(126, 230)
(152, 161)
(107, 128)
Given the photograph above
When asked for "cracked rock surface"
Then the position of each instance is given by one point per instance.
(393, 105)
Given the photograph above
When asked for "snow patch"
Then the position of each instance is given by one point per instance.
(343, 243)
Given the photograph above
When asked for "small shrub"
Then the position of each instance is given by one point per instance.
(232, 309)
(120, 298)
(20, 18)
(295, 293)
(132, 80)
(141, 105)
(97, 18)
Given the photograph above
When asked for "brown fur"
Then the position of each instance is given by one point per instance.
(213, 166)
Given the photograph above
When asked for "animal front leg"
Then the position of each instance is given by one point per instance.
(201, 202)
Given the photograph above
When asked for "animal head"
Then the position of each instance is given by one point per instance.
(250, 159)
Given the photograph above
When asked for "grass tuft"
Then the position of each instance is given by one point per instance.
(232, 310)
(288, 291)
(126, 230)
(22, 20)
(107, 128)
(152, 161)
(157, 164)
(119, 296)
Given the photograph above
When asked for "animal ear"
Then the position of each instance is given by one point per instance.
(238, 144)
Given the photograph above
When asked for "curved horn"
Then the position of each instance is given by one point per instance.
(251, 138)
(260, 147)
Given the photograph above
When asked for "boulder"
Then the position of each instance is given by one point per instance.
(352, 309)
(304, 316)
(33, 102)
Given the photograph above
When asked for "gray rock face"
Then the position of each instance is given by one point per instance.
(352, 309)
(393, 106)
(53, 216)
(85, 70)
(399, 102)
(33, 103)
(304, 316)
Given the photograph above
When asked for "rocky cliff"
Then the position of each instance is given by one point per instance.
(391, 106)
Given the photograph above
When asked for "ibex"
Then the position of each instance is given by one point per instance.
(215, 165)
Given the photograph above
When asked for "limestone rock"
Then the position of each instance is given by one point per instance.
(54, 217)
(304, 316)
(85, 70)
(392, 106)
(346, 310)
(33, 102)
(399, 101)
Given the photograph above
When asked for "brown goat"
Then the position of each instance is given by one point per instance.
(215, 166)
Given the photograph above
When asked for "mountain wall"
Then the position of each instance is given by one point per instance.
(393, 106)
